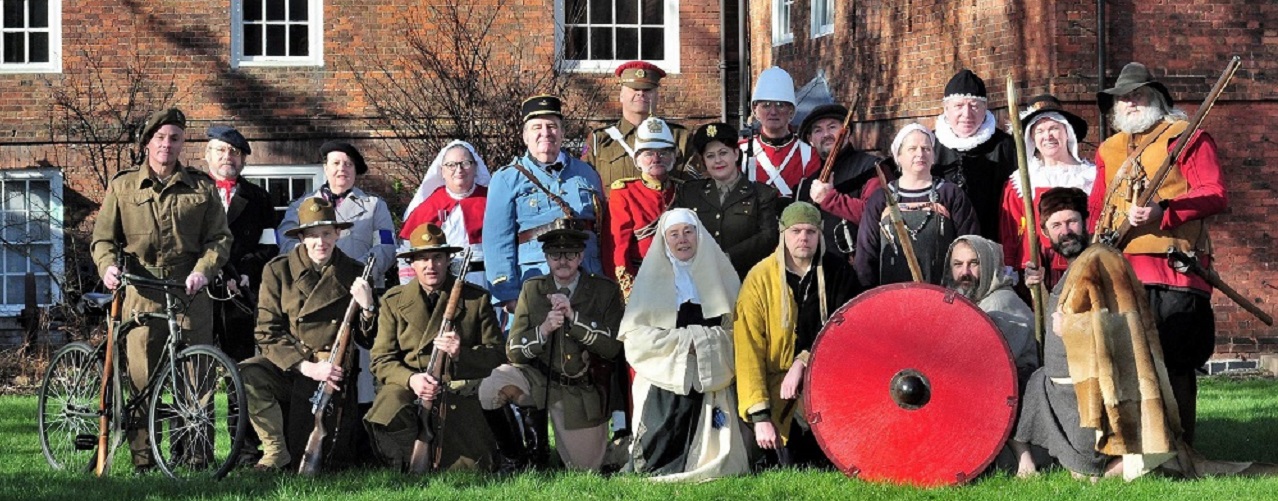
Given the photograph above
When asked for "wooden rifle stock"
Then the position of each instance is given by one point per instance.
(898, 225)
(827, 170)
(1030, 221)
(426, 451)
(1117, 239)
(313, 456)
(104, 412)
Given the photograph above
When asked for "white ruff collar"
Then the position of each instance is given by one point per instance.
(945, 135)
(1070, 176)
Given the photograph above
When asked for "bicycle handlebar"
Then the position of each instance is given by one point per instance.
(138, 280)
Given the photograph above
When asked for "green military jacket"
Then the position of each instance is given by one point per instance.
(406, 330)
(180, 224)
(299, 309)
(597, 306)
(613, 162)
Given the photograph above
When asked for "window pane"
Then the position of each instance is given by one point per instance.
(15, 262)
(298, 38)
(15, 227)
(41, 258)
(15, 49)
(627, 11)
(13, 290)
(39, 47)
(653, 43)
(575, 46)
(278, 188)
(252, 10)
(601, 43)
(13, 14)
(15, 198)
(301, 186)
(38, 227)
(575, 12)
(275, 34)
(44, 292)
(274, 10)
(601, 11)
(654, 11)
(38, 194)
(297, 10)
(39, 14)
(253, 40)
(627, 43)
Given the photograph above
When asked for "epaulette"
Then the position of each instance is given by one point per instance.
(278, 257)
(621, 183)
(123, 172)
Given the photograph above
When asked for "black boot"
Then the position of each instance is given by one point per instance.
(512, 455)
(537, 427)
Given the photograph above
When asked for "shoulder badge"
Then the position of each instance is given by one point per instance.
(621, 183)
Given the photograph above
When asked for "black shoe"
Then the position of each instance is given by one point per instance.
(511, 455)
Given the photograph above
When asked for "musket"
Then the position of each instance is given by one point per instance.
(898, 225)
(1117, 238)
(827, 170)
(104, 422)
(314, 454)
(1030, 221)
(1185, 263)
(426, 448)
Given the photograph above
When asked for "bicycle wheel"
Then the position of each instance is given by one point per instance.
(196, 417)
(68, 407)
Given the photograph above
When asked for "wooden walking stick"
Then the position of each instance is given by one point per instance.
(1030, 221)
(898, 226)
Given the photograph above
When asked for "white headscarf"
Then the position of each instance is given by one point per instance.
(434, 178)
(685, 288)
(654, 300)
(905, 131)
(1081, 176)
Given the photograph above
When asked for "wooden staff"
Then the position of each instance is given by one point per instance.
(898, 226)
(1030, 221)
(827, 170)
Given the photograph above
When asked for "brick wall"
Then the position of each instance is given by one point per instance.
(898, 55)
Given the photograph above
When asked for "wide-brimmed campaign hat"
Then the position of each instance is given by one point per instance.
(427, 238)
(315, 211)
(1133, 76)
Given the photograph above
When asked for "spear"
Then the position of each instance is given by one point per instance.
(1030, 221)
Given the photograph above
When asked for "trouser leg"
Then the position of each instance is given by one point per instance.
(266, 386)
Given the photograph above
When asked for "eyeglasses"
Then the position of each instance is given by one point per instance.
(230, 151)
(664, 152)
(562, 256)
(460, 165)
(773, 105)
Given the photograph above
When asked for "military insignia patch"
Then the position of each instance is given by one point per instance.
(315, 208)
(712, 130)
(639, 73)
(654, 126)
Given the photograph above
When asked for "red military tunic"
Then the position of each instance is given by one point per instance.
(633, 209)
(792, 161)
(1012, 222)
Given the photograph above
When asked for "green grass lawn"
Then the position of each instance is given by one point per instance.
(1238, 421)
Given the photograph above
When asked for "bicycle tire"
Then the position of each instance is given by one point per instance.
(198, 414)
(68, 407)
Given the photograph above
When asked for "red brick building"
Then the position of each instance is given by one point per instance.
(898, 56)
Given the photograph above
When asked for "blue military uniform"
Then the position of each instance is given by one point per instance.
(518, 211)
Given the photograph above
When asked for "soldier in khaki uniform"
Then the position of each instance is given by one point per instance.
(167, 219)
(304, 296)
(408, 330)
(609, 148)
(565, 326)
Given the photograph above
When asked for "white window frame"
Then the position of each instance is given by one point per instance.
(316, 40)
(670, 64)
(782, 33)
(819, 28)
(57, 266)
(54, 65)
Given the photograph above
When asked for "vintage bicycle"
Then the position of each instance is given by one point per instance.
(193, 407)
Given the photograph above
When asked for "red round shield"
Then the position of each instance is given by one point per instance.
(911, 384)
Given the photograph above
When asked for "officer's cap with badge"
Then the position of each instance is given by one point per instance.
(712, 132)
(229, 135)
(640, 75)
(171, 116)
(427, 238)
(542, 106)
(653, 134)
(348, 149)
(315, 211)
(563, 237)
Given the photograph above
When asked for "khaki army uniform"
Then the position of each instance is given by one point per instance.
(300, 310)
(167, 230)
(406, 330)
(571, 357)
(614, 162)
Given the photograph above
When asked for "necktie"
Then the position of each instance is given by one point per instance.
(226, 186)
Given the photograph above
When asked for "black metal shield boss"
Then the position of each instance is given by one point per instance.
(911, 384)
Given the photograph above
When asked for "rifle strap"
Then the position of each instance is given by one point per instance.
(1135, 153)
(568, 212)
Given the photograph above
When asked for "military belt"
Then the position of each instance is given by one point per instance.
(537, 231)
(566, 380)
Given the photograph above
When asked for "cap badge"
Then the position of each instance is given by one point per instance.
(639, 73)
(712, 130)
(654, 127)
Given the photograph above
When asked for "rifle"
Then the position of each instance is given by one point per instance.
(1117, 238)
(827, 170)
(426, 450)
(1185, 263)
(313, 456)
(898, 225)
(1027, 197)
(104, 422)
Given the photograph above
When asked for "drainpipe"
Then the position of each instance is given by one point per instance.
(743, 9)
(723, 61)
(1100, 60)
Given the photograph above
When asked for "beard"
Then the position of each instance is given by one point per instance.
(1138, 123)
(966, 285)
(1070, 245)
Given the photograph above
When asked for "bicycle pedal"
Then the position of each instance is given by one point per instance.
(85, 442)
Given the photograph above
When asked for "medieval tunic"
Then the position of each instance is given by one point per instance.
(994, 295)
(744, 222)
(407, 325)
(681, 352)
(934, 216)
(633, 208)
(980, 165)
(1012, 220)
(854, 179)
(780, 163)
